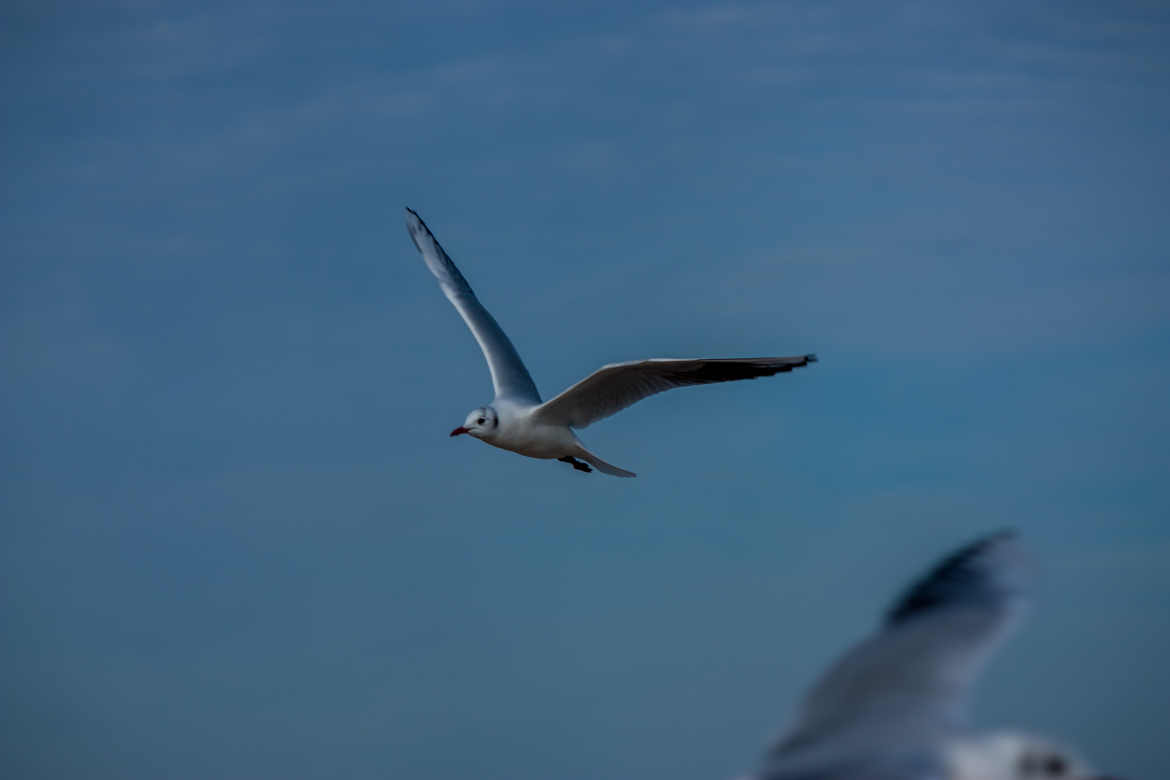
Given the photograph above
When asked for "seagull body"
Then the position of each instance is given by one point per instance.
(519, 421)
(893, 707)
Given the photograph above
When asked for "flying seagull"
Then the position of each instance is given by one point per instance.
(892, 708)
(517, 420)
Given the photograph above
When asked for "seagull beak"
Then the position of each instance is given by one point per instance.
(458, 431)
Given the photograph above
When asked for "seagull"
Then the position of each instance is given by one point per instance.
(892, 708)
(517, 420)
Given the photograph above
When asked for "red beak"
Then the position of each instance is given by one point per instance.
(458, 431)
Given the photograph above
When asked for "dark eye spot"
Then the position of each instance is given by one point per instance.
(1055, 765)
(479, 421)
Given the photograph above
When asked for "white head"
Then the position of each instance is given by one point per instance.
(480, 423)
(1014, 756)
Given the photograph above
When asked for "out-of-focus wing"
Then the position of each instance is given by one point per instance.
(891, 700)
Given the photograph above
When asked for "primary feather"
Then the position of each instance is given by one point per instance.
(614, 387)
(510, 377)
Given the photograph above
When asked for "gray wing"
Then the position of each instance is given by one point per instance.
(894, 697)
(509, 376)
(614, 387)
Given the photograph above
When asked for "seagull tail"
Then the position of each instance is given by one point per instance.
(602, 466)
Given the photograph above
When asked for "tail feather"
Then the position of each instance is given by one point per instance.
(602, 466)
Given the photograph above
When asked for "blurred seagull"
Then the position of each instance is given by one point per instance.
(892, 708)
(517, 420)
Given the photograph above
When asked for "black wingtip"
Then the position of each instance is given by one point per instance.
(416, 227)
(811, 358)
(976, 572)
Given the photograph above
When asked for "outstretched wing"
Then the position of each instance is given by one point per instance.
(892, 698)
(509, 376)
(614, 387)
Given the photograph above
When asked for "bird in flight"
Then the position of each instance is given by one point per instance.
(517, 420)
(893, 707)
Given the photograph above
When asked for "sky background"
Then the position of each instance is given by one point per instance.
(236, 539)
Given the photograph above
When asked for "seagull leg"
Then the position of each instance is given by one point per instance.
(575, 463)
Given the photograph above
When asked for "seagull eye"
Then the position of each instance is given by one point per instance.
(1055, 765)
(479, 421)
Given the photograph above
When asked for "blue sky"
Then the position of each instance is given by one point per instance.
(237, 541)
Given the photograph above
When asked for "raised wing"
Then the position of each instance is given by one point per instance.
(614, 387)
(509, 376)
(895, 696)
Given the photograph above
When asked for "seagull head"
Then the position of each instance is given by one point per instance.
(1014, 756)
(480, 423)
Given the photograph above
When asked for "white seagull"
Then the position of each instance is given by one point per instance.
(517, 420)
(892, 708)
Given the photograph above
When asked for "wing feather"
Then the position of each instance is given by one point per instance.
(509, 376)
(616, 386)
